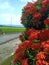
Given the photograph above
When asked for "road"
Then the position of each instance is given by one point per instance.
(8, 44)
(7, 37)
(8, 48)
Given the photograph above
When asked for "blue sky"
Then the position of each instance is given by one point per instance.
(11, 10)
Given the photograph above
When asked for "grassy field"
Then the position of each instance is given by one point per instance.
(10, 30)
(8, 61)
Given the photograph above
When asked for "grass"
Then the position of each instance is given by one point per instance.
(8, 61)
(10, 30)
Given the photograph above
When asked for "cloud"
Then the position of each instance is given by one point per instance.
(6, 6)
(7, 18)
(28, 0)
(16, 19)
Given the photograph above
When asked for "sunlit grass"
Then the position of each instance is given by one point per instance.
(10, 30)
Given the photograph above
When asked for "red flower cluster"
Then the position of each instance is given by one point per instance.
(45, 46)
(44, 34)
(41, 62)
(30, 8)
(45, 2)
(40, 56)
(43, 9)
(25, 62)
(37, 17)
(46, 21)
(35, 45)
(28, 32)
(33, 34)
(27, 44)
(41, 59)
(20, 50)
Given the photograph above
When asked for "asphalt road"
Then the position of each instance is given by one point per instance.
(7, 37)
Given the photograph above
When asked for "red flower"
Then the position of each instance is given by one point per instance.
(41, 59)
(30, 8)
(37, 17)
(28, 32)
(45, 46)
(25, 62)
(43, 9)
(15, 60)
(44, 34)
(33, 36)
(45, 2)
(41, 62)
(20, 55)
(40, 56)
(46, 21)
(27, 7)
(17, 50)
(25, 45)
(20, 37)
(35, 46)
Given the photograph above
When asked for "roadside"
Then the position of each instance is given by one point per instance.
(8, 60)
(8, 48)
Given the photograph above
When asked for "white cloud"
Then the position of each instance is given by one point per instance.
(6, 5)
(16, 19)
(28, 0)
(7, 18)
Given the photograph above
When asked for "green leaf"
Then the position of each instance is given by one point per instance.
(32, 61)
(18, 63)
(36, 41)
(47, 26)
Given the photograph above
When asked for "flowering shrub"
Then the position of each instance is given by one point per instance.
(34, 49)
(35, 15)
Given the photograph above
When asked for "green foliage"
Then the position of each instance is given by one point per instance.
(8, 61)
(38, 6)
(10, 30)
(36, 41)
(18, 63)
(32, 61)
(31, 55)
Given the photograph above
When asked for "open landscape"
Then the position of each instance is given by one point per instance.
(8, 29)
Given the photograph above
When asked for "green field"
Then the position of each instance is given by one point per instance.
(10, 30)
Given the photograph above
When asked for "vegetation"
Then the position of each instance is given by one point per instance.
(8, 61)
(10, 30)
